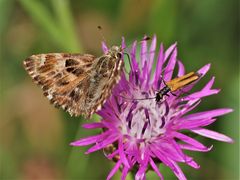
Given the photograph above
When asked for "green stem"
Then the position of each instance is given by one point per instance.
(61, 31)
(66, 23)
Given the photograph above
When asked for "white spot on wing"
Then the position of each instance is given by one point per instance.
(49, 96)
(42, 59)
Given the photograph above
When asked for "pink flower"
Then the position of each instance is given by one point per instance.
(141, 134)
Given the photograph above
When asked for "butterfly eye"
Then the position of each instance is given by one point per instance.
(119, 55)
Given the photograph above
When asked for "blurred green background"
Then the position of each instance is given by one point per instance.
(35, 137)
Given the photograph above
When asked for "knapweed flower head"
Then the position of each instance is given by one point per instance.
(139, 133)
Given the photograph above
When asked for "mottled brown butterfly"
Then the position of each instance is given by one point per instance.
(79, 83)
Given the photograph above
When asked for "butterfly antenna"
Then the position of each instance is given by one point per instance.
(101, 33)
(146, 38)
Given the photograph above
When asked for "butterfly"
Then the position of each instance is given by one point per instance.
(78, 83)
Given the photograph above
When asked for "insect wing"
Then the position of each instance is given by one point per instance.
(80, 84)
(182, 81)
(61, 74)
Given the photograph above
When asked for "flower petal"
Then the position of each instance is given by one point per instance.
(114, 170)
(188, 140)
(101, 144)
(90, 140)
(141, 173)
(178, 171)
(169, 51)
(158, 153)
(152, 55)
(209, 84)
(104, 47)
(133, 56)
(193, 148)
(155, 168)
(168, 72)
(201, 94)
(157, 75)
(123, 43)
(191, 162)
(143, 54)
(204, 69)
(194, 123)
(213, 135)
(171, 150)
(124, 173)
(93, 125)
(181, 69)
(206, 91)
(207, 114)
(122, 154)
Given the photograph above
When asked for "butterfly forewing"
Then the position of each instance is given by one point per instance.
(78, 83)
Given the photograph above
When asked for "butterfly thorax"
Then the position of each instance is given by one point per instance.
(115, 52)
(105, 75)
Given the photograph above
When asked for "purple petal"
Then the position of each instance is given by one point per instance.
(144, 54)
(122, 154)
(170, 66)
(189, 106)
(192, 163)
(170, 163)
(193, 148)
(158, 153)
(188, 140)
(202, 72)
(155, 168)
(104, 47)
(141, 173)
(209, 84)
(171, 150)
(206, 91)
(110, 156)
(181, 69)
(204, 69)
(124, 173)
(123, 43)
(169, 51)
(208, 114)
(194, 123)
(201, 94)
(178, 172)
(106, 115)
(100, 145)
(158, 70)
(93, 125)
(90, 140)
(133, 56)
(114, 170)
(152, 54)
(213, 135)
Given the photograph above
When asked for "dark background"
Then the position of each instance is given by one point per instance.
(35, 137)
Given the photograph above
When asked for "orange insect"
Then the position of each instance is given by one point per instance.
(172, 86)
(176, 84)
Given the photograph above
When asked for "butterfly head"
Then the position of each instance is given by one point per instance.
(116, 52)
